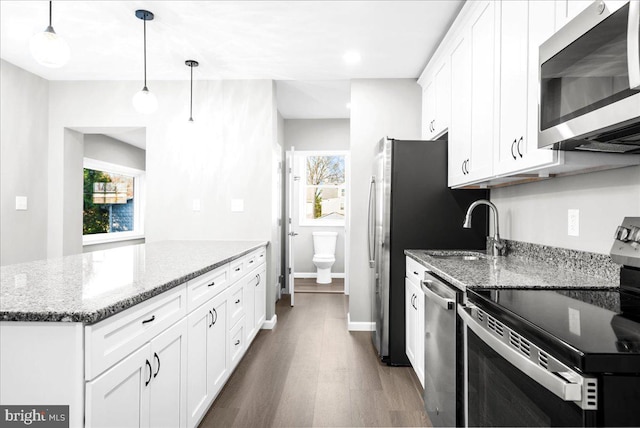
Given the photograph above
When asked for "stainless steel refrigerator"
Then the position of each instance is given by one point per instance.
(411, 207)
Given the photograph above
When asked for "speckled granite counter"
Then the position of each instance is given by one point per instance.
(93, 286)
(511, 271)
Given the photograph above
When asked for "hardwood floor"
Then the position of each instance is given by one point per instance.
(309, 285)
(310, 371)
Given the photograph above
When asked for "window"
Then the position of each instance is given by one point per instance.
(323, 190)
(112, 202)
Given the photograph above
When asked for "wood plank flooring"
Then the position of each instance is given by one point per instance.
(310, 371)
(309, 285)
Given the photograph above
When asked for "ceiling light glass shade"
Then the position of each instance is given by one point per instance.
(145, 102)
(49, 49)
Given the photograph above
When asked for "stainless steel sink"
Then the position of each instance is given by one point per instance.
(457, 255)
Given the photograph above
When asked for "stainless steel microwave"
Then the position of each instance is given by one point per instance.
(590, 81)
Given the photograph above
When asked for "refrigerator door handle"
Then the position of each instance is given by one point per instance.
(371, 226)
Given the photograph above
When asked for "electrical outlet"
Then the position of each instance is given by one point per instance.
(573, 222)
(196, 205)
(21, 203)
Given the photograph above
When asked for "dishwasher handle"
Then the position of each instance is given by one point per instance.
(427, 288)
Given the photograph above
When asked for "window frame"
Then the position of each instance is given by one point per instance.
(301, 166)
(138, 203)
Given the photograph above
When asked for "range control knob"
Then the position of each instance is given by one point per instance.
(634, 234)
(622, 233)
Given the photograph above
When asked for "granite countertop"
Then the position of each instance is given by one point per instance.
(508, 272)
(93, 286)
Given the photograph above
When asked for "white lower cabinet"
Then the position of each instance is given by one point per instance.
(255, 302)
(145, 389)
(414, 327)
(207, 355)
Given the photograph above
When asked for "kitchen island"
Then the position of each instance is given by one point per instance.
(112, 333)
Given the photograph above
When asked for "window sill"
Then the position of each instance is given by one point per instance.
(109, 238)
(322, 224)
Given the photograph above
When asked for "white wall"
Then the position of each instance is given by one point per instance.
(314, 135)
(379, 108)
(23, 164)
(537, 212)
(107, 149)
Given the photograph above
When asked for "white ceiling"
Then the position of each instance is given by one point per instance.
(281, 40)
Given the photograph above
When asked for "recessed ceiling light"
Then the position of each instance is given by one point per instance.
(351, 57)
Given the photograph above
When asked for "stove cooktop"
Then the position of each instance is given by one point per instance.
(595, 331)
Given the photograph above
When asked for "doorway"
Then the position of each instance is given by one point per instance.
(317, 207)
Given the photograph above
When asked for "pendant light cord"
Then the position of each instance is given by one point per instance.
(191, 96)
(144, 26)
(50, 7)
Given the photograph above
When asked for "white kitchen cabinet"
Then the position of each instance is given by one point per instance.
(208, 355)
(255, 302)
(523, 26)
(147, 388)
(566, 10)
(473, 90)
(414, 327)
(436, 101)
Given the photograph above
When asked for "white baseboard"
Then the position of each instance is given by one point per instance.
(270, 324)
(315, 275)
(359, 326)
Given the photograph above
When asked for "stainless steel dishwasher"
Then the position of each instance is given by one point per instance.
(443, 374)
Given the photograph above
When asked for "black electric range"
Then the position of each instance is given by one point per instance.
(557, 357)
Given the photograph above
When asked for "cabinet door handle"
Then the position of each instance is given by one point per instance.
(512, 146)
(261, 255)
(212, 284)
(518, 145)
(258, 276)
(251, 261)
(153, 318)
(433, 122)
(214, 316)
(463, 171)
(237, 269)
(237, 301)
(150, 372)
(211, 323)
(155, 355)
(237, 342)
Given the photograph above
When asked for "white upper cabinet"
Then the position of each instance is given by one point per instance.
(436, 100)
(523, 26)
(471, 130)
(566, 10)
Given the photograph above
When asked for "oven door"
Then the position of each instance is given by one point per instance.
(590, 78)
(505, 388)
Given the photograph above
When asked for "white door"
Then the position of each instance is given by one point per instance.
(168, 393)
(120, 396)
(291, 179)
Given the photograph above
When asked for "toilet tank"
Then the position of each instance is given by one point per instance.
(324, 242)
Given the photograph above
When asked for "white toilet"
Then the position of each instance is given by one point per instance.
(324, 254)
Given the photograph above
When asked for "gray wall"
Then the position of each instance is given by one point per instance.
(23, 164)
(107, 149)
(316, 134)
(379, 108)
(537, 212)
(312, 135)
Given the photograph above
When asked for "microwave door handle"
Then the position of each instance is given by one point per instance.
(633, 45)
(567, 391)
(371, 226)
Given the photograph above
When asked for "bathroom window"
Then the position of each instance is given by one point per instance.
(112, 202)
(323, 190)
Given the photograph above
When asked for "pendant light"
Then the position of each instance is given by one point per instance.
(48, 48)
(191, 63)
(144, 101)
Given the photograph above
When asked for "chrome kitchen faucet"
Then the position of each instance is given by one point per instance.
(498, 247)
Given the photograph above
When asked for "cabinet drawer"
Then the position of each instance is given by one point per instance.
(237, 268)
(256, 258)
(236, 343)
(109, 341)
(206, 286)
(415, 271)
(236, 303)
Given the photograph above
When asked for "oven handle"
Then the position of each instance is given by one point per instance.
(633, 45)
(447, 304)
(567, 391)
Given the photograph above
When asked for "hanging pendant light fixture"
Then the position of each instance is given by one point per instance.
(48, 48)
(144, 101)
(191, 63)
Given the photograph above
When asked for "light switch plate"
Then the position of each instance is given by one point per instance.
(21, 203)
(196, 205)
(573, 222)
(237, 205)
